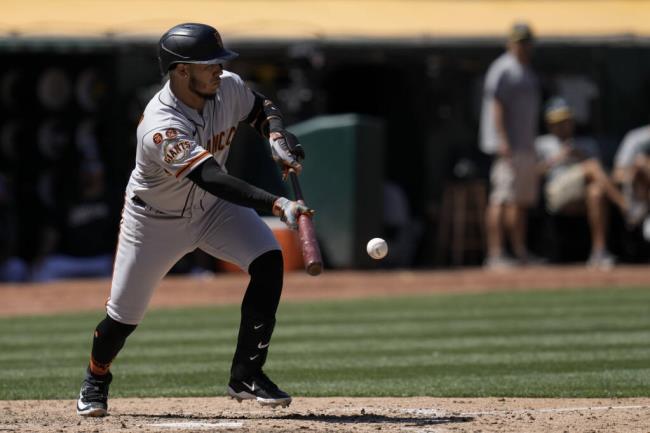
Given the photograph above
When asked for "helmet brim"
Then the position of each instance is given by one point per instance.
(222, 57)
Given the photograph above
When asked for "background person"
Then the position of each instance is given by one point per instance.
(13, 269)
(81, 239)
(509, 117)
(575, 179)
(632, 169)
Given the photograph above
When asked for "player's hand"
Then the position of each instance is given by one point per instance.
(286, 151)
(289, 211)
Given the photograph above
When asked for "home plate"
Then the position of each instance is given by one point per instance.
(199, 425)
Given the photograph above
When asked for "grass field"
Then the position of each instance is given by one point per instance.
(577, 343)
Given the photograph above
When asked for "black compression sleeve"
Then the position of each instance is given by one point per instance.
(265, 117)
(212, 178)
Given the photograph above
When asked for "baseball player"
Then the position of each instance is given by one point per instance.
(179, 198)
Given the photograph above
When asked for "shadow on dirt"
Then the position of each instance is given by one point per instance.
(364, 418)
(370, 418)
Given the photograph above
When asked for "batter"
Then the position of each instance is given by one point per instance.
(179, 198)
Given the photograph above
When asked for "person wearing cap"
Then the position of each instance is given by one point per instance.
(180, 197)
(508, 127)
(576, 182)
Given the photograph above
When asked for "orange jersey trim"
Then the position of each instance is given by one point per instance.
(193, 161)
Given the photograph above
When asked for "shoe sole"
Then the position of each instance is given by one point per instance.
(267, 402)
(89, 410)
(285, 402)
(92, 412)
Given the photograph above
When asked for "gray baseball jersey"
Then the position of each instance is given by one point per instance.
(516, 87)
(166, 215)
(174, 138)
(635, 142)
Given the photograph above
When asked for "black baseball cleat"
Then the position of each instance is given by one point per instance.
(260, 388)
(93, 397)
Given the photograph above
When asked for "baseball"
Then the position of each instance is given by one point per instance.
(377, 248)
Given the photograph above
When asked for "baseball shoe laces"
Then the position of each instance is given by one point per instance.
(93, 397)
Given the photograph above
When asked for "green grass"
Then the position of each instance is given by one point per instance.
(578, 343)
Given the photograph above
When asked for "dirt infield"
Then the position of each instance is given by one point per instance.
(320, 415)
(336, 415)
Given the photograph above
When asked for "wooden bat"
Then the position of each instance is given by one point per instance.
(306, 233)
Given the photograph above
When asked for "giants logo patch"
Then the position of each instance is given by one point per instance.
(176, 150)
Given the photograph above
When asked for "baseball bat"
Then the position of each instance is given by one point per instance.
(306, 233)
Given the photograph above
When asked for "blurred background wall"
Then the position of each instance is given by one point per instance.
(77, 76)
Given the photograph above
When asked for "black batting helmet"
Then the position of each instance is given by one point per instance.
(192, 43)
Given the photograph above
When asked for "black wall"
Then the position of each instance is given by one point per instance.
(428, 94)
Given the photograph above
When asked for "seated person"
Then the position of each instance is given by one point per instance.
(83, 236)
(575, 180)
(632, 169)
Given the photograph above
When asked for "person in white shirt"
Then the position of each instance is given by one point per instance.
(632, 169)
(576, 182)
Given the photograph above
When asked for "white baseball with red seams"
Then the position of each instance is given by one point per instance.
(377, 248)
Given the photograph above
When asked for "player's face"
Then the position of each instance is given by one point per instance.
(205, 79)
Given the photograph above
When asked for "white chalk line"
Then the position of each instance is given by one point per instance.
(433, 412)
(199, 425)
